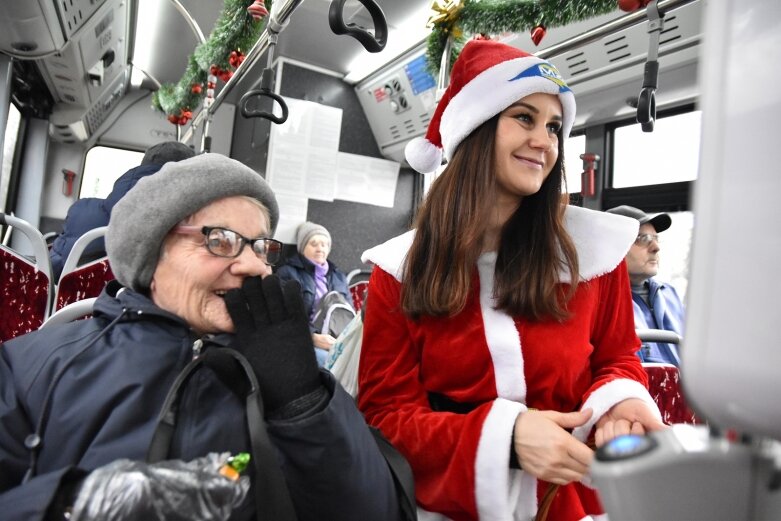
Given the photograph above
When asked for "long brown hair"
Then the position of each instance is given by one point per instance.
(452, 221)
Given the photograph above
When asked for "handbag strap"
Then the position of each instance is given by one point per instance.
(402, 475)
(272, 498)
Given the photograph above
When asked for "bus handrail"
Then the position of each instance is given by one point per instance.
(608, 28)
(277, 21)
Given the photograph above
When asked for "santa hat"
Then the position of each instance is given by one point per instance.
(487, 77)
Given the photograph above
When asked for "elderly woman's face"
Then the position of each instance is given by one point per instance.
(191, 282)
(317, 249)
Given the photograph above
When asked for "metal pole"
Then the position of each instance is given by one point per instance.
(190, 20)
(611, 27)
(280, 18)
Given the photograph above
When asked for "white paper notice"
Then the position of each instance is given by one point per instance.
(292, 212)
(302, 151)
(368, 180)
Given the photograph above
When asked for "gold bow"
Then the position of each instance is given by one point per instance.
(444, 15)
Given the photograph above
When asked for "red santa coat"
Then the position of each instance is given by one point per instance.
(506, 365)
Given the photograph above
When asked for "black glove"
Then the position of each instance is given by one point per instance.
(272, 332)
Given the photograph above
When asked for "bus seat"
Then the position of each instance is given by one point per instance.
(85, 281)
(358, 275)
(25, 283)
(69, 313)
(664, 385)
(358, 293)
(358, 284)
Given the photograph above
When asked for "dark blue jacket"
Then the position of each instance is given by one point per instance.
(105, 407)
(665, 312)
(90, 213)
(302, 269)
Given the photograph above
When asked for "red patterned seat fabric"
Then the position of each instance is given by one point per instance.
(85, 282)
(665, 388)
(24, 292)
(358, 292)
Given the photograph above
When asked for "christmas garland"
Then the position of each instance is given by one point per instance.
(238, 26)
(455, 19)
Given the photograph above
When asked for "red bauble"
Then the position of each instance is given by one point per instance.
(235, 59)
(214, 70)
(631, 5)
(538, 33)
(257, 10)
(196, 88)
(173, 118)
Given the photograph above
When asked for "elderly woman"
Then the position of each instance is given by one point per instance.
(317, 276)
(189, 247)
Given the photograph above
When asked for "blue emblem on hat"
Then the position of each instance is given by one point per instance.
(544, 70)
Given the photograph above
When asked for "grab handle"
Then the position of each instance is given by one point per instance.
(371, 42)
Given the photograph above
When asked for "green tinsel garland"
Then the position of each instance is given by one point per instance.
(235, 29)
(499, 16)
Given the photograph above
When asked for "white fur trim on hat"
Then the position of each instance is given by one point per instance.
(492, 91)
(423, 155)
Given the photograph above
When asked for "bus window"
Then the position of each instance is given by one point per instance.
(674, 253)
(574, 146)
(103, 166)
(9, 146)
(669, 154)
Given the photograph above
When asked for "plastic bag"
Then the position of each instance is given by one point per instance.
(345, 355)
(165, 491)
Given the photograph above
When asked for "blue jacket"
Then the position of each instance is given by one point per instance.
(666, 312)
(302, 269)
(106, 404)
(90, 213)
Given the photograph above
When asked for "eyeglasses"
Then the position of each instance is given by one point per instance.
(223, 242)
(644, 239)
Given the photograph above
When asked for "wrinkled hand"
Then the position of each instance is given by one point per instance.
(547, 451)
(164, 491)
(272, 331)
(630, 416)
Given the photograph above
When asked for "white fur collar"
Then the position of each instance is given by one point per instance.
(601, 240)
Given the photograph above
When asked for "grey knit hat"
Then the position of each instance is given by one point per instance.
(306, 231)
(162, 153)
(142, 218)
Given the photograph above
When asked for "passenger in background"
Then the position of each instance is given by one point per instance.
(92, 212)
(317, 275)
(191, 249)
(656, 304)
(499, 332)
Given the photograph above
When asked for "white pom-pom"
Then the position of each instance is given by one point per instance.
(423, 155)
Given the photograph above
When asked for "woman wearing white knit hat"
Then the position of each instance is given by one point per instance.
(504, 305)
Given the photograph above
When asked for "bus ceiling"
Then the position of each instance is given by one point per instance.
(74, 59)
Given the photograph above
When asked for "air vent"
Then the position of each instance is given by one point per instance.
(577, 63)
(617, 49)
(98, 112)
(394, 131)
(671, 31)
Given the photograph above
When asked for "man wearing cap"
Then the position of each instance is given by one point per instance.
(93, 212)
(656, 305)
(192, 251)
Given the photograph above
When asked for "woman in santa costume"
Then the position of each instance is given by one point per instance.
(499, 335)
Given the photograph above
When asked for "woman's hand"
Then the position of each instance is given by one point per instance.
(323, 341)
(547, 451)
(630, 416)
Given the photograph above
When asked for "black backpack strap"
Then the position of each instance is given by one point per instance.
(402, 475)
(272, 498)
